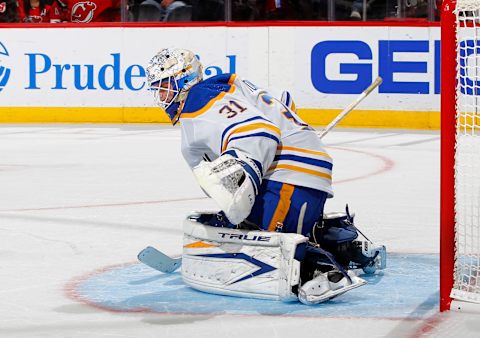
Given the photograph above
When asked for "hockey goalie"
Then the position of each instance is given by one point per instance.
(270, 175)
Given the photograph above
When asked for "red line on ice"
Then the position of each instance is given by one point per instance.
(387, 164)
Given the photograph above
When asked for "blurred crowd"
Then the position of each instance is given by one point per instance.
(56, 11)
(85, 11)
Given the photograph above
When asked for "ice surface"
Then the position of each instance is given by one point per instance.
(78, 202)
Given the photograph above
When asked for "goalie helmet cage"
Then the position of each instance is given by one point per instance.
(460, 156)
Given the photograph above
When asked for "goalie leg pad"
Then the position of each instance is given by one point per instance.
(253, 264)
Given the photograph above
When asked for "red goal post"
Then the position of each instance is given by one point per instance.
(460, 156)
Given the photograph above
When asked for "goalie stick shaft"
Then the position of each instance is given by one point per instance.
(350, 107)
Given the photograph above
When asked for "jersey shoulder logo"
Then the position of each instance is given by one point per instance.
(4, 71)
(83, 11)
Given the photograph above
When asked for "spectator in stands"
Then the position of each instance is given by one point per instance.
(279, 10)
(36, 11)
(93, 10)
(375, 10)
(244, 10)
(176, 10)
(438, 7)
(9, 11)
(133, 9)
(287, 9)
(61, 9)
(208, 10)
(357, 9)
(416, 8)
(150, 10)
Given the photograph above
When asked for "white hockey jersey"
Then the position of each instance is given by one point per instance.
(226, 113)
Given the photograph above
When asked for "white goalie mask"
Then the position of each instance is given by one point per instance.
(170, 75)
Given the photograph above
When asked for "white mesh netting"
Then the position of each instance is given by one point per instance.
(467, 154)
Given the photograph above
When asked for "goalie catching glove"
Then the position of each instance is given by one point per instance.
(232, 180)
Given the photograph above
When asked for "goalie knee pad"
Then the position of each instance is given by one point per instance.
(255, 264)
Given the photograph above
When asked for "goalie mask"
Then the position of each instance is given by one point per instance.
(170, 75)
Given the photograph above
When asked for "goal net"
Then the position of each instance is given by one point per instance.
(460, 192)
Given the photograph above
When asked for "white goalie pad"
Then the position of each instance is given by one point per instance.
(253, 264)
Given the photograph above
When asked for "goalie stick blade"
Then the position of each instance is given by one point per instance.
(158, 260)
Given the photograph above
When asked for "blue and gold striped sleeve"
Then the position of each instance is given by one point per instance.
(250, 128)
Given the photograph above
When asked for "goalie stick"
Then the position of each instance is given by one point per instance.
(158, 260)
(350, 107)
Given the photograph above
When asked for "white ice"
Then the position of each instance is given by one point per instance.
(77, 198)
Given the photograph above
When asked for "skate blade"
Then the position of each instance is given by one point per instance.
(311, 299)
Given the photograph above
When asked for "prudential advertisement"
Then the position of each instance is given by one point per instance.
(324, 68)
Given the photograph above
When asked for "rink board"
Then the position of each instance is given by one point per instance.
(407, 289)
(98, 74)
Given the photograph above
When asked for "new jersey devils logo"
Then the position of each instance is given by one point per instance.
(3, 7)
(83, 11)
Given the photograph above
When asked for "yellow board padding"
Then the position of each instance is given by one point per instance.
(373, 118)
(468, 120)
(316, 117)
(82, 115)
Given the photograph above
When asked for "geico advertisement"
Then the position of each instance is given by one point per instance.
(324, 67)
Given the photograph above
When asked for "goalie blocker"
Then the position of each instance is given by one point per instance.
(264, 265)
